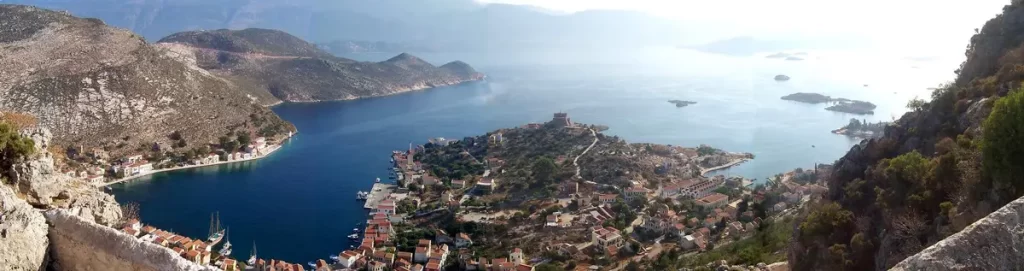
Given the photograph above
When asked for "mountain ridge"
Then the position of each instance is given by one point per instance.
(97, 86)
(298, 71)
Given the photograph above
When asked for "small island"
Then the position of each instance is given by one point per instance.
(793, 58)
(862, 129)
(853, 107)
(838, 104)
(811, 98)
(681, 103)
(781, 77)
(778, 55)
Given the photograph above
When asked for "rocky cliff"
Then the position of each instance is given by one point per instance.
(23, 231)
(932, 173)
(99, 86)
(42, 186)
(285, 67)
(992, 243)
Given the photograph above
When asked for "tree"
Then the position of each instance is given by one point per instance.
(543, 169)
(633, 266)
(916, 104)
(243, 139)
(1002, 151)
(13, 146)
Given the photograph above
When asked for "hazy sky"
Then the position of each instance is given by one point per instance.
(932, 26)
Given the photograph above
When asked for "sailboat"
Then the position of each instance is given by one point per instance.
(226, 250)
(252, 256)
(216, 233)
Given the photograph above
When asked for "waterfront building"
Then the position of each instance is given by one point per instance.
(713, 200)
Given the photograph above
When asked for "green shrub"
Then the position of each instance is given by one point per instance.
(1003, 142)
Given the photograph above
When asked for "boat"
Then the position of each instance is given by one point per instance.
(362, 195)
(252, 255)
(312, 264)
(216, 233)
(378, 179)
(353, 236)
(226, 250)
(355, 230)
(334, 257)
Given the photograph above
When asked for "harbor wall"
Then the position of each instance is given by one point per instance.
(77, 244)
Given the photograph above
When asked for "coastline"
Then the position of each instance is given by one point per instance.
(705, 171)
(129, 178)
(400, 92)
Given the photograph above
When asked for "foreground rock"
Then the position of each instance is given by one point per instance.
(45, 187)
(23, 242)
(992, 243)
(79, 244)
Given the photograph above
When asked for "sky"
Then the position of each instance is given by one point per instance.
(928, 26)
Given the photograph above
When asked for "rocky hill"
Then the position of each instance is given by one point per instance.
(946, 164)
(99, 86)
(283, 66)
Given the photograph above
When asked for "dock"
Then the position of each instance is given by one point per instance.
(379, 192)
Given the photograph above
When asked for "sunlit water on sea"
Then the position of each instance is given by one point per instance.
(299, 204)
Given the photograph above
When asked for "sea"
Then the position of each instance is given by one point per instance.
(299, 204)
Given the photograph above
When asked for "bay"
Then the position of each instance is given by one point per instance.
(299, 203)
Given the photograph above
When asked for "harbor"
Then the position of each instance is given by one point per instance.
(379, 192)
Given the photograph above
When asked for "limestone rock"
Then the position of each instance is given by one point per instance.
(992, 243)
(45, 187)
(23, 242)
(78, 244)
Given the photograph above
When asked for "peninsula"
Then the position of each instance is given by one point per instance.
(837, 104)
(567, 191)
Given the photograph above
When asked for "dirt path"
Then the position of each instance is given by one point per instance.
(574, 161)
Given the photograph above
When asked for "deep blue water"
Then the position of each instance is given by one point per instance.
(298, 204)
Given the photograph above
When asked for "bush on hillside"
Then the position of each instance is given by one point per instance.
(1003, 142)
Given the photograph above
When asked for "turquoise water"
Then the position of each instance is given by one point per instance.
(299, 204)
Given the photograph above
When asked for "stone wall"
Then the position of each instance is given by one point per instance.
(78, 244)
(995, 242)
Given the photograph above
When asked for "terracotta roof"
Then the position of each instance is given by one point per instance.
(524, 267)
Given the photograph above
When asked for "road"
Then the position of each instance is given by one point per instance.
(574, 161)
(705, 171)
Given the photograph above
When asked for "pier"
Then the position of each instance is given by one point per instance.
(379, 192)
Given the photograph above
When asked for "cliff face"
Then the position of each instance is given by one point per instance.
(289, 69)
(98, 86)
(992, 243)
(926, 178)
(23, 230)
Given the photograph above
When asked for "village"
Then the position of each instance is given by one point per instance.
(487, 219)
(160, 157)
(432, 221)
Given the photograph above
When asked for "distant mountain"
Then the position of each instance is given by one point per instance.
(290, 69)
(99, 86)
(748, 45)
(444, 24)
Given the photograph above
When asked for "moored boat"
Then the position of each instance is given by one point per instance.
(353, 236)
(226, 250)
(216, 233)
(252, 256)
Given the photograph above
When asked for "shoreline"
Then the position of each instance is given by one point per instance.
(284, 102)
(129, 178)
(705, 171)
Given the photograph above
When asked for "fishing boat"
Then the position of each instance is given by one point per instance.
(226, 250)
(216, 233)
(378, 180)
(353, 236)
(252, 255)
